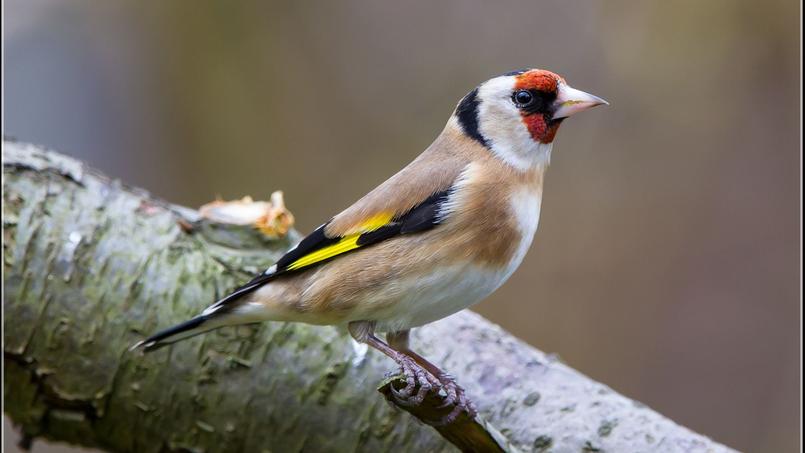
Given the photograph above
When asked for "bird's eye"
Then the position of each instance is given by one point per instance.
(523, 97)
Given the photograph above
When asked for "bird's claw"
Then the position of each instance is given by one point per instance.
(456, 397)
(451, 389)
(416, 378)
(419, 383)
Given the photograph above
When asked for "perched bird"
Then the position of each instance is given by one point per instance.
(440, 235)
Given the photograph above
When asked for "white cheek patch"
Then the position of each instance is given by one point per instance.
(501, 124)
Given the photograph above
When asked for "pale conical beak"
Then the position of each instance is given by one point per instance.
(570, 100)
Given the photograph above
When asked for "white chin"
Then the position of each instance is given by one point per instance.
(524, 157)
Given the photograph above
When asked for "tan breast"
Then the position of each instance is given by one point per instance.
(488, 221)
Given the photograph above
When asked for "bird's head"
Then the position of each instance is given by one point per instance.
(517, 114)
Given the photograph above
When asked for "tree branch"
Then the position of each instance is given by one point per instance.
(91, 266)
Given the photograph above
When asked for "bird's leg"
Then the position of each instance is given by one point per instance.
(415, 375)
(455, 395)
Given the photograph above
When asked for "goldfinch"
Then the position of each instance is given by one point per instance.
(440, 235)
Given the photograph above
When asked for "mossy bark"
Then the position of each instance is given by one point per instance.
(91, 266)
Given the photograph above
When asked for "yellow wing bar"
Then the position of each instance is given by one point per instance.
(345, 244)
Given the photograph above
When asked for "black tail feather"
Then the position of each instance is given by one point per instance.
(167, 336)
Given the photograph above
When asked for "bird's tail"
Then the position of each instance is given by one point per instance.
(234, 309)
(187, 329)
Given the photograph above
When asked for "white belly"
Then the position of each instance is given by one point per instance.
(438, 295)
(451, 289)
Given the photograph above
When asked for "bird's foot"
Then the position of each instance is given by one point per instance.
(444, 396)
(418, 383)
(456, 398)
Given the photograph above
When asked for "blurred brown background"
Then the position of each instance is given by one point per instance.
(667, 260)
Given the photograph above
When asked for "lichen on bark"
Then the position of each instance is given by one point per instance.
(91, 266)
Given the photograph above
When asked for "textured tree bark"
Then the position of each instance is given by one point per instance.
(91, 266)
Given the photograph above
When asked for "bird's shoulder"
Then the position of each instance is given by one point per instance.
(430, 173)
(411, 201)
